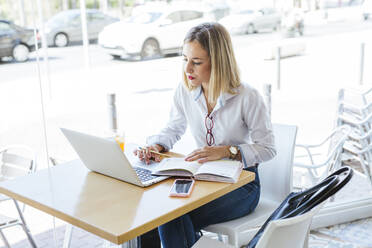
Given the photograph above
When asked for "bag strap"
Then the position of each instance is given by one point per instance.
(321, 192)
(297, 203)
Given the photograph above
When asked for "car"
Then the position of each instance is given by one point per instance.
(367, 9)
(65, 27)
(16, 41)
(151, 32)
(250, 21)
(293, 23)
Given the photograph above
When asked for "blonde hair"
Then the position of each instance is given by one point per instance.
(215, 39)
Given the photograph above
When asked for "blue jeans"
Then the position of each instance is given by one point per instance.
(183, 231)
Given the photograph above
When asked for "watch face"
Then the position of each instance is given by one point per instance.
(233, 150)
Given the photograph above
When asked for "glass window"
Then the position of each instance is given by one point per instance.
(355, 2)
(174, 17)
(317, 58)
(5, 27)
(191, 15)
(268, 11)
(342, 3)
(246, 12)
(144, 18)
(64, 18)
(96, 16)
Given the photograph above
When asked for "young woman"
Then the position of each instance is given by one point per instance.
(228, 119)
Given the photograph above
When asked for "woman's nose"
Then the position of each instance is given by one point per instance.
(188, 67)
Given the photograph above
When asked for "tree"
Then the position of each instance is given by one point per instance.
(22, 17)
(103, 5)
(64, 4)
(73, 4)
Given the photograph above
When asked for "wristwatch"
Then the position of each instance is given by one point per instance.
(233, 152)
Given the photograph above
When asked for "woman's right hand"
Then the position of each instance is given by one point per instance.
(146, 155)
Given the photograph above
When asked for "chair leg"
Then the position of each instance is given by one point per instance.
(5, 241)
(68, 234)
(106, 244)
(306, 244)
(24, 226)
(365, 163)
(133, 243)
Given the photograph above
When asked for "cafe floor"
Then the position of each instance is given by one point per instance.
(355, 234)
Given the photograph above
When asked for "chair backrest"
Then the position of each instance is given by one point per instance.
(205, 242)
(16, 160)
(337, 140)
(276, 174)
(291, 232)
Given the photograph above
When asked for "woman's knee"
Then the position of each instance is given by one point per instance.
(178, 232)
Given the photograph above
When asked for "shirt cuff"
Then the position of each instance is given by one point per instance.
(159, 140)
(249, 156)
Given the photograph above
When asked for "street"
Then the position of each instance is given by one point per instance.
(76, 97)
(70, 58)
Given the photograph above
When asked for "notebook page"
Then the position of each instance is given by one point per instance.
(178, 164)
(225, 168)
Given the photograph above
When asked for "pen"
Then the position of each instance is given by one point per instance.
(155, 152)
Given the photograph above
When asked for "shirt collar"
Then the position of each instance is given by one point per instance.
(197, 92)
(226, 96)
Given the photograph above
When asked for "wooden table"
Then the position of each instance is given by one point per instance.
(109, 208)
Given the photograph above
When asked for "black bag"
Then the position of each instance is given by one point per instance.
(297, 203)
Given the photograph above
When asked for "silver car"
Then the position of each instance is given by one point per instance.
(367, 9)
(251, 21)
(16, 41)
(65, 27)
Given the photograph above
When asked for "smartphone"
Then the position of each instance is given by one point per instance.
(182, 187)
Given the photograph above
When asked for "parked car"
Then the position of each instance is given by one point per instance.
(367, 9)
(150, 33)
(293, 23)
(65, 27)
(251, 21)
(16, 41)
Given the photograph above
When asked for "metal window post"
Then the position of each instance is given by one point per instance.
(361, 65)
(84, 28)
(278, 55)
(112, 116)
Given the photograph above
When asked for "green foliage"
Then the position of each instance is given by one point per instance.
(113, 3)
(129, 3)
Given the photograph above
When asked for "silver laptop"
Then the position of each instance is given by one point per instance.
(105, 156)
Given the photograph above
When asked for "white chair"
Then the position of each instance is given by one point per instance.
(276, 183)
(359, 144)
(285, 233)
(355, 96)
(323, 158)
(205, 242)
(292, 232)
(16, 160)
(357, 113)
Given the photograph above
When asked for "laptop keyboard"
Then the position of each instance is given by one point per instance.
(143, 174)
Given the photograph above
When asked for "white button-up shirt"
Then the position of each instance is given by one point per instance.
(239, 119)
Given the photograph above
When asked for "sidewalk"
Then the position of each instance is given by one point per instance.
(350, 235)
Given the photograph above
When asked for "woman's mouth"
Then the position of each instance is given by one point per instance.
(190, 77)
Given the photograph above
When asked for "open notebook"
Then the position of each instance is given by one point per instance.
(218, 171)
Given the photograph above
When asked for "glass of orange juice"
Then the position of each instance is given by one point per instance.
(120, 139)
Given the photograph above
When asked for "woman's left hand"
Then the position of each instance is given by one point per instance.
(208, 153)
